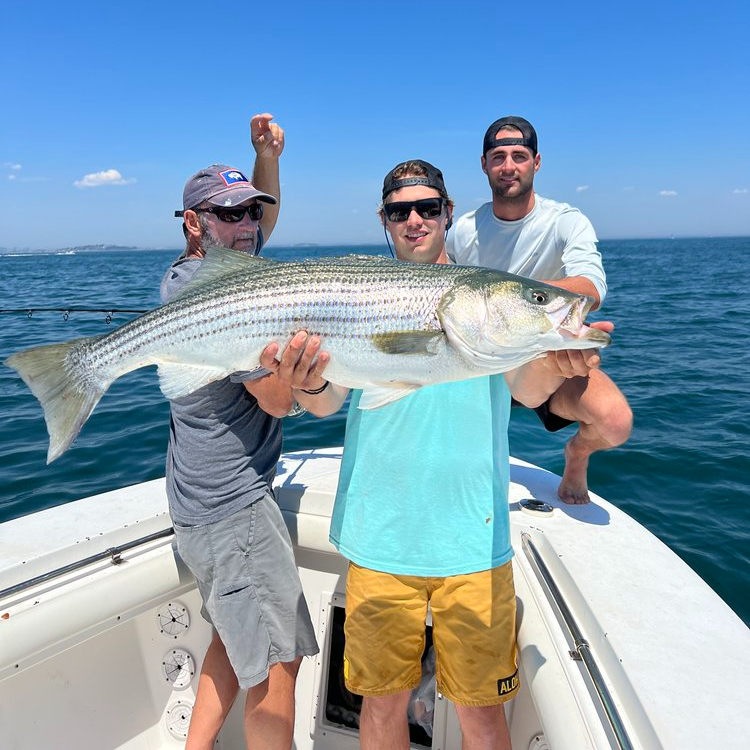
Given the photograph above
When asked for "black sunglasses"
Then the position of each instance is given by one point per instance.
(231, 215)
(427, 208)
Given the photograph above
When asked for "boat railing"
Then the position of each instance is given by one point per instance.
(582, 649)
(114, 554)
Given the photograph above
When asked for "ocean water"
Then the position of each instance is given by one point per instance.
(680, 355)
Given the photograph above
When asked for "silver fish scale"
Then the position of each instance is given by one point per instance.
(344, 300)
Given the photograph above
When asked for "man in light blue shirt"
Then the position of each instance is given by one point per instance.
(520, 232)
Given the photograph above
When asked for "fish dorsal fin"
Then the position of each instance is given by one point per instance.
(374, 397)
(408, 342)
(177, 380)
(219, 263)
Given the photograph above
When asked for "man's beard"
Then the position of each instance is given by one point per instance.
(208, 238)
(500, 191)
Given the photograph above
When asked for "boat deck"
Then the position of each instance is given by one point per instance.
(98, 656)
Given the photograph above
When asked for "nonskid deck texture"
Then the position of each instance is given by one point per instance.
(105, 656)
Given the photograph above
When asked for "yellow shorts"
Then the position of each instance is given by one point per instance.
(473, 630)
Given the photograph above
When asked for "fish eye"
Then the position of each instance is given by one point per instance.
(538, 296)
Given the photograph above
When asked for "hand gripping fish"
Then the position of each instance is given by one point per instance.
(390, 326)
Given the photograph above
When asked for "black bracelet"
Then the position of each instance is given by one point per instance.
(317, 390)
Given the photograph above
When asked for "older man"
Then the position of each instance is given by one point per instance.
(225, 441)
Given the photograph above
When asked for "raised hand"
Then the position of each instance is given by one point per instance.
(267, 137)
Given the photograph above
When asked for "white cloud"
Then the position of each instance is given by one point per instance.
(11, 177)
(97, 179)
(581, 188)
(740, 191)
(10, 165)
(668, 193)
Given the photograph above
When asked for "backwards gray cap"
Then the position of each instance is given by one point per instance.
(220, 185)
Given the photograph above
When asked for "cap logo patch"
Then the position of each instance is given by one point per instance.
(232, 177)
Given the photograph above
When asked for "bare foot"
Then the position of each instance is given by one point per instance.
(574, 489)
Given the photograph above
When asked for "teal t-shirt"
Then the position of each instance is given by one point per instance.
(423, 488)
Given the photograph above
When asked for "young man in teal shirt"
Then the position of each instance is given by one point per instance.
(421, 510)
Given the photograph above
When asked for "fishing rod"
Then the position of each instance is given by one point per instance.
(66, 311)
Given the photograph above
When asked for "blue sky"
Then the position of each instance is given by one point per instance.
(642, 110)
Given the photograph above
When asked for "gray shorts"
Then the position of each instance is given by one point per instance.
(251, 591)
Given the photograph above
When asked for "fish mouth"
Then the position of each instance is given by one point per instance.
(594, 335)
(569, 318)
(571, 322)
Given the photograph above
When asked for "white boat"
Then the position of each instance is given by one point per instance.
(621, 644)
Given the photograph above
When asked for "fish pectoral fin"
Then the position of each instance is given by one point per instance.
(178, 379)
(376, 396)
(408, 342)
(219, 263)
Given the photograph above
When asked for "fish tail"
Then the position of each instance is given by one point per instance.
(68, 394)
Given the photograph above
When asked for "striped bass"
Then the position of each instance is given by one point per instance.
(390, 326)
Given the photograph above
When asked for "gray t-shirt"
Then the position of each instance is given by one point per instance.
(223, 448)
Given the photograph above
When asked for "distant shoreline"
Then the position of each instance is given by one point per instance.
(15, 251)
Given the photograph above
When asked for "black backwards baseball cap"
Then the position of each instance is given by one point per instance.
(433, 178)
(526, 128)
(221, 186)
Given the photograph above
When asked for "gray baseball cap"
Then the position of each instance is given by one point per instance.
(222, 186)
